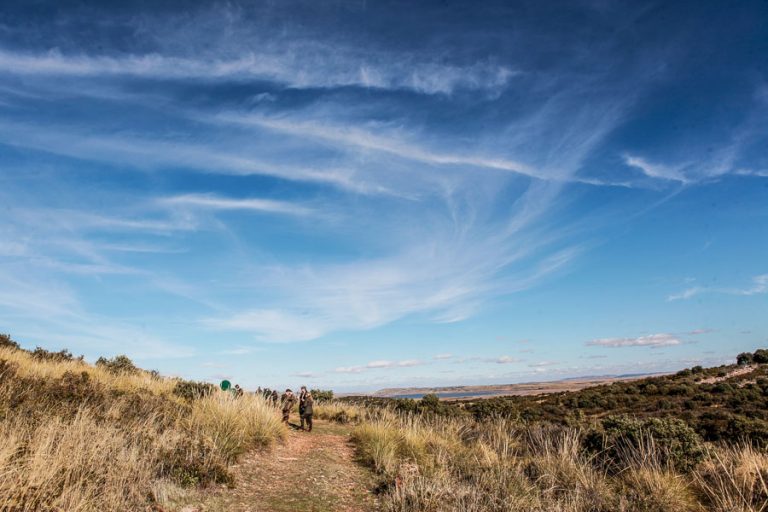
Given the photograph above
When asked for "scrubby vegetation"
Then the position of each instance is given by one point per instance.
(692, 441)
(726, 403)
(77, 437)
(457, 464)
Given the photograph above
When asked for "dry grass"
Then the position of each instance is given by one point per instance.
(340, 412)
(735, 479)
(72, 465)
(234, 425)
(459, 465)
(76, 437)
(27, 366)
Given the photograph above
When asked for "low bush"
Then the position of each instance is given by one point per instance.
(192, 390)
(117, 365)
(678, 445)
(322, 394)
(63, 355)
(7, 342)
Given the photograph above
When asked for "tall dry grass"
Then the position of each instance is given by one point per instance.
(446, 465)
(236, 424)
(76, 437)
(735, 479)
(74, 465)
(339, 412)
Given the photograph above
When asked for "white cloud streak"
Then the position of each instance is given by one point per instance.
(367, 140)
(293, 65)
(657, 171)
(652, 341)
(213, 202)
(379, 365)
(759, 286)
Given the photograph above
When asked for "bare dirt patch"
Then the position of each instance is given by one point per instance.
(743, 370)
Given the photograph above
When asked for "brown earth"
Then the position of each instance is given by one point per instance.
(742, 370)
(312, 472)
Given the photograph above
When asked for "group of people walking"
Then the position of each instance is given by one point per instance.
(306, 402)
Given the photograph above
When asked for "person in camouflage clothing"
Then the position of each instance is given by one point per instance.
(305, 409)
(288, 400)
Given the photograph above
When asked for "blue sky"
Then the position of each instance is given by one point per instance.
(357, 195)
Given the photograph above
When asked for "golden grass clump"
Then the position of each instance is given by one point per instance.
(235, 424)
(562, 471)
(378, 444)
(339, 412)
(650, 489)
(735, 479)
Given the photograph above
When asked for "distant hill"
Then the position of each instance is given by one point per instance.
(520, 389)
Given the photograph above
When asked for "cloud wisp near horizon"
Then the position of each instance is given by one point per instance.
(233, 184)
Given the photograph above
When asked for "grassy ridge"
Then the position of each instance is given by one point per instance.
(78, 437)
(690, 442)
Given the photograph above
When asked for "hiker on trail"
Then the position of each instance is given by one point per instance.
(289, 399)
(238, 391)
(302, 397)
(305, 410)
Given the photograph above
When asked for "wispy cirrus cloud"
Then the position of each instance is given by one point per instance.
(207, 157)
(652, 341)
(214, 202)
(293, 64)
(506, 360)
(704, 330)
(543, 364)
(307, 375)
(380, 364)
(58, 318)
(686, 294)
(434, 280)
(653, 170)
(368, 140)
(759, 286)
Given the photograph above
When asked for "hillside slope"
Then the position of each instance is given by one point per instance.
(111, 437)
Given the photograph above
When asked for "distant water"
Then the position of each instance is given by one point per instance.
(463, 394)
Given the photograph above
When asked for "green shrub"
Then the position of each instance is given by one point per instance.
(63, 355)
(760, 356)
(7, 342)
(430, 402)
(678, 444)
(322, 394)
(192, 390)
(118, 364)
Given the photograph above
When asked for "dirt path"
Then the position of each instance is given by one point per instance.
(313, 472)
(734, 373)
